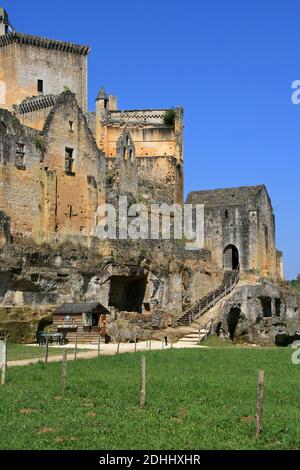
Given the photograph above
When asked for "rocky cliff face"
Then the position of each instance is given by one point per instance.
(146, 286)
(33, 280)
(261, 313)
(156, 280)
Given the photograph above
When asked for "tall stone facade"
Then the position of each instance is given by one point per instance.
(239, 229)
(59, 162)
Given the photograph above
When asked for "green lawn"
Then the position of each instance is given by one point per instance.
(21, 351)
(196, 399)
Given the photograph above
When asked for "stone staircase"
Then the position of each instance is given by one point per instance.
(230, 280)
(194, 338)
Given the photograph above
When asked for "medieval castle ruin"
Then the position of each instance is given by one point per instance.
(59, 162)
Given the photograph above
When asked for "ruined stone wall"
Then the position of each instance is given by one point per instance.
(35, 119)
(71, 197)
(144, 180)
(148, 141)
(160, 180)
(24, 61)
(242, 217)
(223, 227)
(41, 198)
(33, 112)
(150, 135)
(20, 157)
(265, 250)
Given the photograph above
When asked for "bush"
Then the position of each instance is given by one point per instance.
(169, 117)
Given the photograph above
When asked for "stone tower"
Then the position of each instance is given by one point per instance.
(4, 23)
(33, 66)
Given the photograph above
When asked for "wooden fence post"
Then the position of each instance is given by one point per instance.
(64, 370)
(118, 348)
(150, 344)
(99, 346)
(4, 363)
(260, 401)
(143, 386)
(75, 352)
(135, 345)
(47, 350)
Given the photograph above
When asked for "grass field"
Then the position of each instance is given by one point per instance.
(21, 351)
(196, 399)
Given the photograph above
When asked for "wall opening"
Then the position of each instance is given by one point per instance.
(69, 161)
(277, 307)
(3, 128)
(179, 171)
(266, 304)
(266, 239)
(231, 257)
(127, 292)
(232, 321)
(20, 156)
(40, 86)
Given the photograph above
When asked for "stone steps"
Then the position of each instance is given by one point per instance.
(204, 304)
(192, 339)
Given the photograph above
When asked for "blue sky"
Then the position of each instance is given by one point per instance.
(230, 64)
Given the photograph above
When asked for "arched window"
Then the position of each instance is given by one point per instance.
(125, 146)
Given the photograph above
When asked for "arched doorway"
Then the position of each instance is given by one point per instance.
(231, 258)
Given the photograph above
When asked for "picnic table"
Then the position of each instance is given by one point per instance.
(59, 338)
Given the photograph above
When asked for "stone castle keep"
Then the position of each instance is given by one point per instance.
(59, 162)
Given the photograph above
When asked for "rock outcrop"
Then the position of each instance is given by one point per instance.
(263, 313)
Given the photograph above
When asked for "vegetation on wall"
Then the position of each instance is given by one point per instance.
(39, 143)
(296, 283)
(169, 117)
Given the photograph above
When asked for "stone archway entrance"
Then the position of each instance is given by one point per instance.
(231, 258)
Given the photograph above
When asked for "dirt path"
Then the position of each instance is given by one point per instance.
(105, 350)
(27, 362)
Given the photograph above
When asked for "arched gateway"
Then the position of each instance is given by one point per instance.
(231, 258)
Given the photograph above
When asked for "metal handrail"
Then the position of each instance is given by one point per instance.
(195, 311)
(208, 327)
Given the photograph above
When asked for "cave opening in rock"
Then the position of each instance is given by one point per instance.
(127, 292)
(232, 321)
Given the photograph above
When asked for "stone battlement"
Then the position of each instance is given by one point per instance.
(26, 39)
